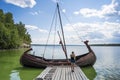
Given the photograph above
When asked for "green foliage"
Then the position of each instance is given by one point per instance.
(9, 18)
(23, 34)
(12, 35)
(2, 17)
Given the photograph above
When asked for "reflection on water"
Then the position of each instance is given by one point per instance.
(14, 75)
(89, 72)
(107, 73)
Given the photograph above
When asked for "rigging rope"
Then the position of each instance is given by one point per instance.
(73, 27)
(49, 32)
(54, 37)
(64, 45)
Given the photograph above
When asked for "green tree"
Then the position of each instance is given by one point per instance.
(22, 31)
(27, 38)
(4, 36)
(2, 17)
(12, 35)
(14, 39)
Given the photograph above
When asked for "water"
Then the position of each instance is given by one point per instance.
(107, 65)
(57, 51)
(10, 68)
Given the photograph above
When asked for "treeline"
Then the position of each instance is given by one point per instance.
(12, 35)
(115, 44)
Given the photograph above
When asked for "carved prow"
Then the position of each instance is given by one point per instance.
(89, 48)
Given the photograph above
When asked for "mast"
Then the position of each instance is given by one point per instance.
(64, 44)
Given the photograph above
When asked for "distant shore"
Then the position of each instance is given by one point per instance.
(77, 45)
(104, 44)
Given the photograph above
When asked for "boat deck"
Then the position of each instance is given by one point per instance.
(62, 73)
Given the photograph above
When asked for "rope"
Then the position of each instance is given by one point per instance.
(54, 37)
(49, 32)
(73, 27)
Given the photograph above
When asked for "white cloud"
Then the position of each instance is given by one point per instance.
(97, 31)
(76, 12)
(106, 11)
(32, 27)
(118, 12)
(35, 13)
(22, 3)
(55, 1)
(38, 40)
(86, 12)
(63, 10)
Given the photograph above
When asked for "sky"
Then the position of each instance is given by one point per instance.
(95, 20)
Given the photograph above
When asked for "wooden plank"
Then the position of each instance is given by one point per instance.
(77, 74)
(71, 76)
(81, 74)
(69, 69)
(42, 75)
(57, 75)
(49, 75)
(62, 73)
(67, 73)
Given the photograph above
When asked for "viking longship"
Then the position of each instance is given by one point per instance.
(87, 59)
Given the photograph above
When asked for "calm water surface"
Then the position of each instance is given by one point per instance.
(107, 65)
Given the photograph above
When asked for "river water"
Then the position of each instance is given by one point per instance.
(107, 65)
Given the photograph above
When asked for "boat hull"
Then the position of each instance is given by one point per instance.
(29, 60)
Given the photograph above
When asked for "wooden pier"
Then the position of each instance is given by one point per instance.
(62, 73)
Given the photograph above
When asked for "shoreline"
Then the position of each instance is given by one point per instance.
(104, 44)
(60, 45)
(13, 49)
(76, 45)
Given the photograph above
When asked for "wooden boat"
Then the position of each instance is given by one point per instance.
(29, 60)
(87, 59)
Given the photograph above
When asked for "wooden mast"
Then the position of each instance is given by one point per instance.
(64, 44)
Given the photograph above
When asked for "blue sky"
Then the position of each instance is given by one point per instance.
(95, 20)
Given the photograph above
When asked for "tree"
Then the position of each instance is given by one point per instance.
(24, 35)
(2, 17)
(12, 35)
(4, 36)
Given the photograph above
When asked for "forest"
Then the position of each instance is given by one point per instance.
(12, 35)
